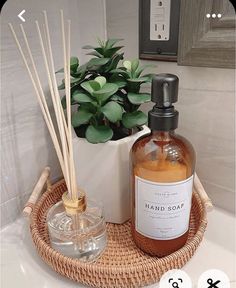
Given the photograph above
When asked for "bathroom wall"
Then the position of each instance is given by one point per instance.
(206, 105)
(26, 147)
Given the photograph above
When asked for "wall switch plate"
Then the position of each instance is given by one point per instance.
(160, 20)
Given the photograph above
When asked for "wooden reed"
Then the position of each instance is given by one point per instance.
(63, 143)
(39, 97)
(61, 115)
(66, 54)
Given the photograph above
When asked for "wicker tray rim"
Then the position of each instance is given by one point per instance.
(183, 254)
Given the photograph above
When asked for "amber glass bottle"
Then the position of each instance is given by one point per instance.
(162, 168)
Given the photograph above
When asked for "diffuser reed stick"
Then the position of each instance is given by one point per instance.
(39, 97)
(62, 142)
(66, 53)
(61, 126)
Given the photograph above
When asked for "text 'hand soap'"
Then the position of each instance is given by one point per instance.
(162, 168)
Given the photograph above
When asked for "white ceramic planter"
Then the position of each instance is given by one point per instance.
(102, 170)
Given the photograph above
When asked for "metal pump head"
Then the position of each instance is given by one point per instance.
(165, 90)
(163, 116)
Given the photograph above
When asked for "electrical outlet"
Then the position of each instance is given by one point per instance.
(160, 20)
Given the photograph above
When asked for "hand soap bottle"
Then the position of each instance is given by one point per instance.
(162, 168)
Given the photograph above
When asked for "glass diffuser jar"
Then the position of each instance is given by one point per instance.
(77, 229)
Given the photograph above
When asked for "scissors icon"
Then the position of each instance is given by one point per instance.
(212, 285)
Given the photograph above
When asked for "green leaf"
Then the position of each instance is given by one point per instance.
(90, 86)
(63, 102)
(134, 65)
(127, 65)
(90, 107)
(98, 134)
(118, 80)
(117, 98)
(107, 90)
(95, 85)
(140, 69)
(137, 99)
(137, 80)
(74, 80)
(114, 62)
(149, 76)
(111, 42)
(100, 42)
(81, 97)
(100, 50)
(97, 62)
(110, 52)
(94, 53)
(88, 47)
(113, 111)
(133, 119)
(82, 69)
(120, 71)
(61, 86)
(60, 70)
(80, 117)
(74, 63)
(101, 80)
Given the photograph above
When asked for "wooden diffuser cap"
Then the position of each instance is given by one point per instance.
(74, 206)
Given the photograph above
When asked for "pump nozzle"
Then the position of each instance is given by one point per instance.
(163, 116)
(165, 89)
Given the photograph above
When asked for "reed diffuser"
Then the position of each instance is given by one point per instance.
(76, 226)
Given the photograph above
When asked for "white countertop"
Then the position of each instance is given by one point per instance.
(21, 267)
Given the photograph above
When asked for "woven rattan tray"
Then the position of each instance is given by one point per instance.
(122, 264)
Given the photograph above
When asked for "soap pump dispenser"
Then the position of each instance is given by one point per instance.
(162, 169)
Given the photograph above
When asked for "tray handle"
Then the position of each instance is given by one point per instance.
(44, 178)
(197, 185)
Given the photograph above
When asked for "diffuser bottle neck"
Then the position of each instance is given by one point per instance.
(74, 206)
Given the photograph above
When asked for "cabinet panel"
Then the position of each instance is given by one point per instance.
(206, 41)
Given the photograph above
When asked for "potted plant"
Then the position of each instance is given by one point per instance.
(106, 101)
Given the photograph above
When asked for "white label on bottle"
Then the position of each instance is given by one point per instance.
(162, 209)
